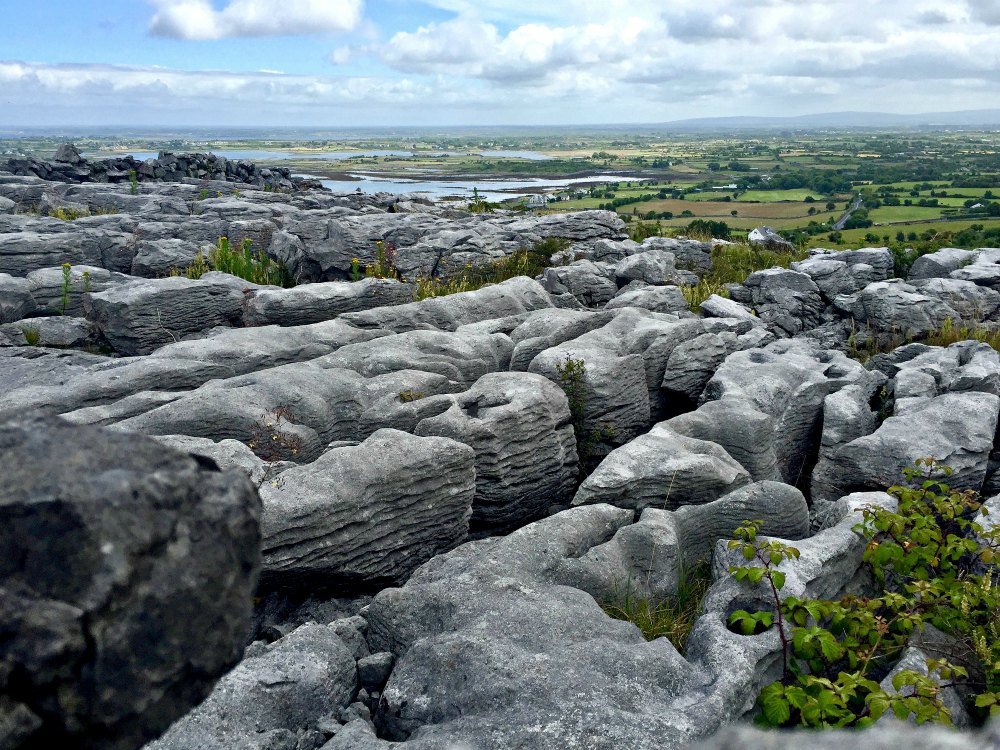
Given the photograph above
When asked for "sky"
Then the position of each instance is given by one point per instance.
(330, 63)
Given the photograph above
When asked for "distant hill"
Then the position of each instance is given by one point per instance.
(963, 119)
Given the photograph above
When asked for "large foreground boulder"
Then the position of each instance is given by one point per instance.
(126, 579)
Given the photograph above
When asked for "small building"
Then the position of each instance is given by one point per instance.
(536, 201)
(769, 238)
(976, 207)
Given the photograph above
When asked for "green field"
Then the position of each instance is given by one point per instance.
(903, 214)
(769, 196)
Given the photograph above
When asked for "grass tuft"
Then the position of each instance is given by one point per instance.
(865, 343)
(672, 618)
(525, 262)
(251, 266)
(731, 264)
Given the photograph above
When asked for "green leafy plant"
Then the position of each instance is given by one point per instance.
(384, 265)
(478, 204)
(85, 279)
(410, 395)
(356, 274)
(572, 374)
(768, 555)
(670, 618)
(198, 268)
(243, 262)
(67, 280)
(133, 182)
(937, 565)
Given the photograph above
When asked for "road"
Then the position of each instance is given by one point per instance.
(847, 214)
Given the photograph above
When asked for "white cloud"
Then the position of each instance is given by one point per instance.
(199, 20)
(987, 11)
(493, 62)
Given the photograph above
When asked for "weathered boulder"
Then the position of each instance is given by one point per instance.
(789, 380)
(543, 329)
(692, 363)
(477, 609)
(957, 429)
(55, 296)
(511, 297)
(834, 277)
(367, 514)
(16, 301)
(593, 284)
(519, 426)
(787, 301)
(662, 544)
(746, 433)
(127, 583)
(965, 366)
(847, 416)
(275, 698)
(155, 258)
(984, 270)
(662, 469)
(721, 307)
(243, 350)
(313, 303)
(691, 255)
(878, 258)
(661, 299)
(898, 307)
(27, 251)
(941, 263)
(653, 266)
(463, 357)
(138, 317)
(971, 301)
(289, 412)
(56, 331)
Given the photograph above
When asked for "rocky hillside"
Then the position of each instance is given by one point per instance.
(409, 512)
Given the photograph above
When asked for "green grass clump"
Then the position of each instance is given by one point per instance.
(32, 336)
(671, 618)
(731, 264)
(252, 266)
(949, 334)
(864, 344)
(525, 262)
(68, 214)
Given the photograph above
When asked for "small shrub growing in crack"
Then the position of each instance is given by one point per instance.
(938, 565)
(572, 374)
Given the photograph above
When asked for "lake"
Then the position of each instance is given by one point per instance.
(491, 190)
